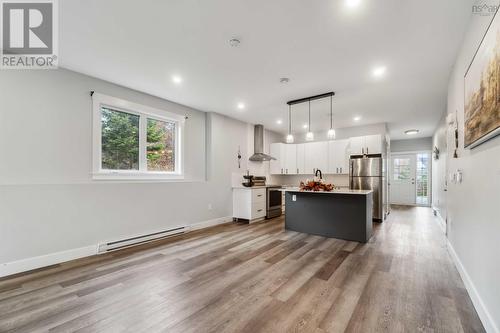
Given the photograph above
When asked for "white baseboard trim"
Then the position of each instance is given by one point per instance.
(482, 311)
(29, 264)
(210, 223)
(442, 223)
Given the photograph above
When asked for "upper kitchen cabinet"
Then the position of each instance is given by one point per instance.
(290, 159)
(301, 158)
(286, 159)
(338, 157)
(370, 144)
(316, 154)
(278, 151)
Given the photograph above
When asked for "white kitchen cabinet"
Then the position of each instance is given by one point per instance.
(370, 144)
(278, 151)
(338, 157)
(249, 204)
(301, 158)
(290, 167)
(316, 157)
(373, 144)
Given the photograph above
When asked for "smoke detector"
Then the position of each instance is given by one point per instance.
(234, 42)
(284, 80)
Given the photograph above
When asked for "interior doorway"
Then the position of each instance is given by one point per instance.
(410, 178)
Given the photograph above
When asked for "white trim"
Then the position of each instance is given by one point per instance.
(210, 223)
(441, 221)
(482, 311)
(29, 264)
(144, 112)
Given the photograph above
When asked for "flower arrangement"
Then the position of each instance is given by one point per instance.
(316, 185)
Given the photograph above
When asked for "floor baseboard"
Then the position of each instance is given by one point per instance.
(442, 223)
(28, 264)
(482, 311)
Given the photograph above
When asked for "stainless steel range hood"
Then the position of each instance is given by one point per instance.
(258, 145)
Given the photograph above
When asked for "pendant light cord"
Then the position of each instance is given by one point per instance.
(289, 119)
(331, 113)
(309, 115)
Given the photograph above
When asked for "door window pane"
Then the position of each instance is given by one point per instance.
(161, 145)
(402, 169)
(423, 163)
(120, 140)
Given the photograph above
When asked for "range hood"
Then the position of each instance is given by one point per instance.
(258, 145)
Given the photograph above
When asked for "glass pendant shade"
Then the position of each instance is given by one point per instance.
(331, 134)
(309, 136)
(289, 138)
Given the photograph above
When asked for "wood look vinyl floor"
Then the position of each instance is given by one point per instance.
(253, 278)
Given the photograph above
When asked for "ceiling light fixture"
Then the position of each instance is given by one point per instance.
(352, 3)
(241, 106)
(412, 132)
(279, 122)
(379, 71)
(284, 80)
(357, 118)
(176, 79)
(309, 134)
(331, 131)
(289, 137)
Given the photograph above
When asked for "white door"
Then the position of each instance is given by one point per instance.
(290, 159)
(403, 189)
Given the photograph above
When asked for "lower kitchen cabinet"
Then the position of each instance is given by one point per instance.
(249, 204)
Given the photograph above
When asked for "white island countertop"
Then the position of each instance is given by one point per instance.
(339, 191)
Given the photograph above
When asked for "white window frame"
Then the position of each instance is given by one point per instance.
(144, 112)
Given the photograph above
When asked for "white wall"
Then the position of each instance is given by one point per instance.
(48, 201)
(473, 206)
(439, 186)
(419, 144)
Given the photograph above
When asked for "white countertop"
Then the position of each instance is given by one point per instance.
(255, 187)
(339, 191)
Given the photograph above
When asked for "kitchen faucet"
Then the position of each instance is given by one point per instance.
(320, 174)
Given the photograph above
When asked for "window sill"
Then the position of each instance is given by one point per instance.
(137, 176)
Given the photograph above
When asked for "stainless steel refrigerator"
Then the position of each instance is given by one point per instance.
(367, 173)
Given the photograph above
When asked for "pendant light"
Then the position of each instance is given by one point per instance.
(289, 137)
(331, 131)
(309, 135)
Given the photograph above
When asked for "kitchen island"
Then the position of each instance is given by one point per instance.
(345, 214)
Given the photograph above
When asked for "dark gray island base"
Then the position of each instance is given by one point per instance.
(337, 214)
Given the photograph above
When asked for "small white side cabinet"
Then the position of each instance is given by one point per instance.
(249, 204)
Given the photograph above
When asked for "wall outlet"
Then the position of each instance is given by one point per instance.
(294, 197)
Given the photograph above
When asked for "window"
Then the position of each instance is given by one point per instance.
(402, 169)
(133, 141)
(423, 168)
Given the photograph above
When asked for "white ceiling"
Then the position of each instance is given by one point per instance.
(320, 45)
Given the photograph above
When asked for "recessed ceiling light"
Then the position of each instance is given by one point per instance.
(357, 118)
(279, 121)
(379, 71)
(412, 132)
(304, 126)
(352, 3)
(176, 79)
(234, 42)
(241, 106)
